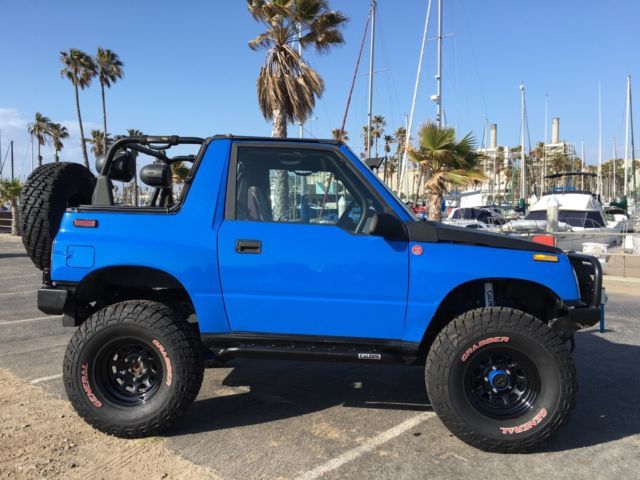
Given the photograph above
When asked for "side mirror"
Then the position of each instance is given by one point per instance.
(123, 166)
(156, 175)
(388, 227)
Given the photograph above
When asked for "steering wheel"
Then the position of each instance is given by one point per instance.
(347, 223)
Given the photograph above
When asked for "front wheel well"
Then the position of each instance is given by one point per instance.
(110, 285)
(527, 296)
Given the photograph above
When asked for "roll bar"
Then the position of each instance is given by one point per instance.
(136, 143)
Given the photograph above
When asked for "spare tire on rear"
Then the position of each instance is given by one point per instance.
(47, 193)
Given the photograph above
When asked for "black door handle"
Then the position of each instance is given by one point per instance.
(248, 246)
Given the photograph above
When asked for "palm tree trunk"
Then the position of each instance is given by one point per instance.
(39, 156)
(384, 172)
(14, 216)
(435, 207)
(281, 187)
(82, 140)
(57, 155)
(104, 116)
(136, 195)
(435, 202)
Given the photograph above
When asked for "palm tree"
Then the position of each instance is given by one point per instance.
(10, 192)
(340, 135)
(377, 129)
(79, 68)
(98, 142)
(179, 172)
(446, 162)
(287, 86)
(133, 132)
(366, 137)
(57, 131)
(388, 140)
(109, 67)
(401, 138)
(40, 130)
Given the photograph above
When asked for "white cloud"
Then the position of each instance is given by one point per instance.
(10, 119)
(13, 126)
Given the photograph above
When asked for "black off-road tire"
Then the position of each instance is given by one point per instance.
(457, 380)
(93, 368)
(47, 193)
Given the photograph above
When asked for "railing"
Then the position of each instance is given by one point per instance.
(5, 221)
(620, 257)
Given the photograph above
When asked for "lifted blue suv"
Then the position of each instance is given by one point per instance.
(294, 249)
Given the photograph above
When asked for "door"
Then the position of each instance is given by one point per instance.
(294, 251)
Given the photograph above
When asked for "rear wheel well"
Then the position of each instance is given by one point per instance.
(116, 284)
(524, 295)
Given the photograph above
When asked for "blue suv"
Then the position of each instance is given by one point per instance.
(294, 249)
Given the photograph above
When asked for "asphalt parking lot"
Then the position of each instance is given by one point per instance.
(269, 419)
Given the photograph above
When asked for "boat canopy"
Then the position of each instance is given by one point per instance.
(575, 218)
(570, 182)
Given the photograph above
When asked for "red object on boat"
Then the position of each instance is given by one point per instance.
(545, 239)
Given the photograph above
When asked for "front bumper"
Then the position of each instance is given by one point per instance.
(587, 311)
(582, 317)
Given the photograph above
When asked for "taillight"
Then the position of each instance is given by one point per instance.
(544, 239)
(78, 222)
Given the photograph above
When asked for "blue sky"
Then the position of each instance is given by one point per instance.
(188, 69)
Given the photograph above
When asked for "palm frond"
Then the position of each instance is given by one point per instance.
(286, 83)
(109, 67)
(78, 67)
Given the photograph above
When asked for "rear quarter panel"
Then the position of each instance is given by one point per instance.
(444, 266)
(182, 243)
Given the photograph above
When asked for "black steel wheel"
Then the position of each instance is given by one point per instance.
(132, 368)
(501, 380)
(128, 371)
(502, 383)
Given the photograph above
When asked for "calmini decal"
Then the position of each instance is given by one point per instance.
(482, 343)
(166, 360)
(525, 426)
(84, 378)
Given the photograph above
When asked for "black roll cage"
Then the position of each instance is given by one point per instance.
(153, 146)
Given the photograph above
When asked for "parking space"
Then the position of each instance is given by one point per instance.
(270, 419)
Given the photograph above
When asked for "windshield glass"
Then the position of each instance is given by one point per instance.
(404, 207)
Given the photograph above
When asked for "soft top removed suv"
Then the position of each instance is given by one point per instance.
(294, 249)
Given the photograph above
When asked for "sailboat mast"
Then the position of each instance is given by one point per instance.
(599, 188)
(12, 164)
(439, 76)
(371, 56)
(409, 120)
(523, 178)
(625, 188)
(582, 165)
(299, 28)
(633, 146)
(615, 154)
(544, 151)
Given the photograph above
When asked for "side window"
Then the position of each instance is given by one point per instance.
(594, 219)
(308, 186)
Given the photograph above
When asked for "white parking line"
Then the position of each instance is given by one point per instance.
(45, 379)
(18, 293)
(29, 319)
(367, 446)
(24, 275)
